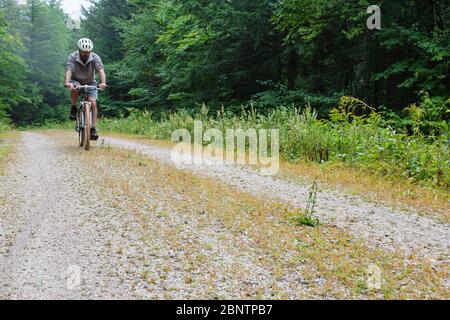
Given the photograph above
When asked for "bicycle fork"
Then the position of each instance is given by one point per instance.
(81, 123)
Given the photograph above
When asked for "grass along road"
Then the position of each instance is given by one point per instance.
(137, 227)
(7, 142)
(380, 225)
(399, 193)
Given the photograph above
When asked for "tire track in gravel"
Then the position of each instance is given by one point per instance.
(378, 225)
(52, 233)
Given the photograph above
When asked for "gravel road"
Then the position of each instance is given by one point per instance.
(61, 239)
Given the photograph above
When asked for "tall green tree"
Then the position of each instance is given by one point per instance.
(179, 53)
(335, 51)
(99, 24)
(41, 27)
(47, 48)
(12, 71)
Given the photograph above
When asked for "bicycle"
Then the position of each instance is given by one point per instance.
(84, 117)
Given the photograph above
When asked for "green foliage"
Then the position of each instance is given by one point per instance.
(430, 116)
(421, 50)
(38, 46)
(12, 71)
(165, 55)
(355, 135)
(174, 54)
(101, 24)
(332, 50)
(183, 53)
(47, 49)
(281, 95)
(4, 127)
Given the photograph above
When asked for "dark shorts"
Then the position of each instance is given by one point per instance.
(92, 93)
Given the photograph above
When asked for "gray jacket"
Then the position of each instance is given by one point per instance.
(84, 73)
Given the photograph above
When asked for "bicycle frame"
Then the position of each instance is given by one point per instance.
(84, 103)
(84, 124)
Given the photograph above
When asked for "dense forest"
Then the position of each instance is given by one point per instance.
(338, 91)
(165, 55)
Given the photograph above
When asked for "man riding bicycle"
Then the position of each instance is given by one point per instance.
(80, 70)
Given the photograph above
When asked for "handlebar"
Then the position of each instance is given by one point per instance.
(87, 87)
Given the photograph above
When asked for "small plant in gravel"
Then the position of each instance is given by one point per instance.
(104, 146)
(145, 274)
(306, 217)
(162, 214)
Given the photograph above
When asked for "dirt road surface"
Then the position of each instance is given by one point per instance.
(66, 232)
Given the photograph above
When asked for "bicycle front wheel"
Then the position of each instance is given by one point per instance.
(81, 131)
(87, 126)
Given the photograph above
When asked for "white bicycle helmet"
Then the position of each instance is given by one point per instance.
(85, 44)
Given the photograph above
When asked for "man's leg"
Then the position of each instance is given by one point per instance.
(74, 100)
(73, 109)
(74, 97)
